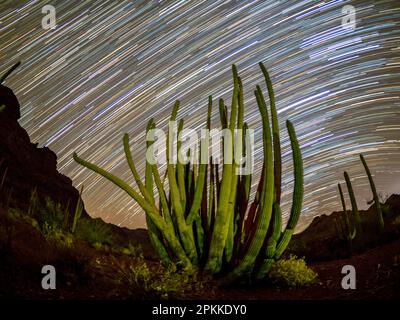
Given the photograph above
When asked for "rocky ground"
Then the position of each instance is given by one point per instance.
(85, 273)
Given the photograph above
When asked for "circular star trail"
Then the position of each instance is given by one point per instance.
(109, 66)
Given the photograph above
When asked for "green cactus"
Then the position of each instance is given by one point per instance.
(354, 208)
(348, 234)
(375, 194)
(78, 211)
(201, 221)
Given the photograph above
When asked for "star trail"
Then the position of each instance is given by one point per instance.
(109, 66)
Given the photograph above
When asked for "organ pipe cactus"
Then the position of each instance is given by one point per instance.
(205, 219)
(348, 234)
(354, 207)
(374, 193)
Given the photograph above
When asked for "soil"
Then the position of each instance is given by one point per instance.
(84, 273)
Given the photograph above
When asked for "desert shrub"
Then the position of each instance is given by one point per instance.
(16, 214)
(292, 272)
(60, 239)
(132, 250)
(159, 282)
(51, 218)
(95, 232)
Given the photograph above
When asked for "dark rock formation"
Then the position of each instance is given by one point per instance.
(321, 241)
(26, 167)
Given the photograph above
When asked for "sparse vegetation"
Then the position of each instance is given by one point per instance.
(132, 250)
(161, 283)
(292, 272)
(51, 218)
(95, 232)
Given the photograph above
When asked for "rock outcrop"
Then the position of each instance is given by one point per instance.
(23, 165)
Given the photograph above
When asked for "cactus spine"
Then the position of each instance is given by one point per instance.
(216, 229)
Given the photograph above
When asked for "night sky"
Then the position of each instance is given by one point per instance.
(109, 66)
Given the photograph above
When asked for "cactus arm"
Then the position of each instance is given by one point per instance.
(353, 201)
(275, 134)
(342, 198)
(147, 207)
(271, 243)
(211, 195)
(180, 168)
(159, 184)
(238, 150)
(175, 197)
(135, 173)
(199, 189)
(9, 71)
(298, 191)
(163, 198)
(263, 219)
(374, 193)
(349, 234)
(242, 200)
(223, 114)
(153, 212)
(185, 231)
(154, 235)
(221, 227)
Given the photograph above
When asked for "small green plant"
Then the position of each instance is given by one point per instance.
(160, 282)
(2, 108)
(60, 238)
(16, 214)
(95, 232)
(292, 272)
(51, 222)
(132, 250)
(51, 216)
